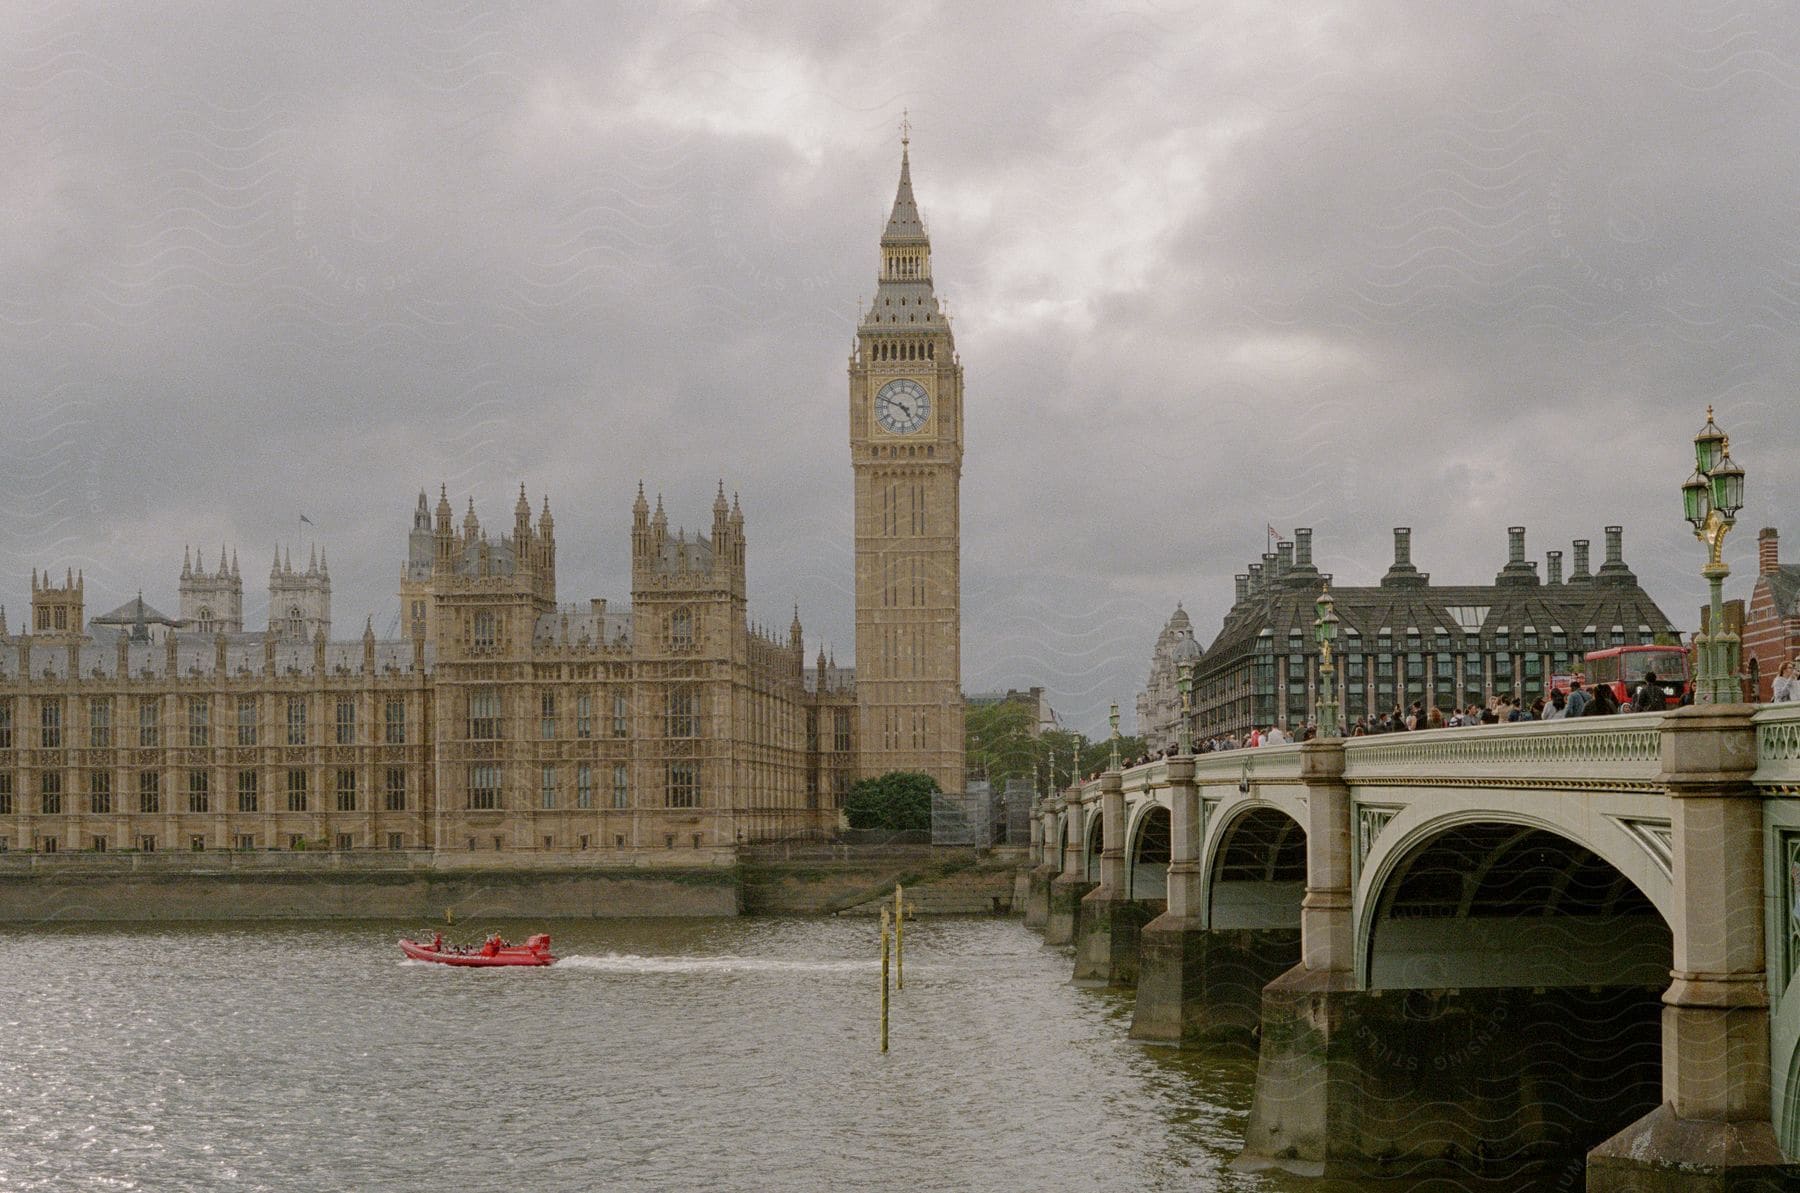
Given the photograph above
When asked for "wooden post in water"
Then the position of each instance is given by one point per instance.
(884, 978)
(899, 940)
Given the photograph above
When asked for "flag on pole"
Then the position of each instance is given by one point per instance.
(1274, 534)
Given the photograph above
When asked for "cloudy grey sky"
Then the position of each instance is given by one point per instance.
(1213, 267)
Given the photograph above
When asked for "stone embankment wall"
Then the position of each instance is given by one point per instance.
(39, 888)
(229, 886)
(825, 880)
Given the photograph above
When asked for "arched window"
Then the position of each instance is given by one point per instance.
(296, 622)
(206, 620)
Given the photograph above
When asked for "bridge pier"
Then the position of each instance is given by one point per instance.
(1303, 1083)
(1713, 1129)
(1068, 887)
(1195, 985)
(1046, 865)
(1107, 921)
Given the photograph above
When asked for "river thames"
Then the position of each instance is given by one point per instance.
(657, 1054)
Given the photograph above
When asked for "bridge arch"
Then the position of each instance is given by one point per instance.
(1149, 841)
(1092, 839)
(1527, 965)
(1255, 867)
(1401, 845)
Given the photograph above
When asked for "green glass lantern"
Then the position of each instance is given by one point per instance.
(1325, 620)
(1728, 485)
(1709, 444)
(1696, 499)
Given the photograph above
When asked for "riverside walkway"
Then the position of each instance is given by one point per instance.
(1469, 948)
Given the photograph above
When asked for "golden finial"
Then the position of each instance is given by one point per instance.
(905, 129)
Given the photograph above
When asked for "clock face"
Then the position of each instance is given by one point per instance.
(902, 406)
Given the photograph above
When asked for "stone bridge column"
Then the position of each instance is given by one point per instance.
(1045, 864)
(1172, 950)
(1107, 922)
(1309, 1079)
(1713, 1130)
(1327, 934)
(1067, 888)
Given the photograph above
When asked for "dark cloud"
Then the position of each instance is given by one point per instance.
(1348, 266)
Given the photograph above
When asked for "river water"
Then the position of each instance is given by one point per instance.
(657, 1054)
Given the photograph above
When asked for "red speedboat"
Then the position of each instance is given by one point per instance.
(491, 952)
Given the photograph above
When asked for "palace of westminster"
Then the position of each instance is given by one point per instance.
(502, 719)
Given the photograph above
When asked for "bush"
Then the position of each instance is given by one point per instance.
(898, 801)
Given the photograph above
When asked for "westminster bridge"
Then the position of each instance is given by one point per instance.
(1466, 949)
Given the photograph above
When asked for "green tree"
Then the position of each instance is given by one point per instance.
(899, 801)
(1001, 745)
(997, 741)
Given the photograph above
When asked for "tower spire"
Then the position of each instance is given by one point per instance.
(904, 225)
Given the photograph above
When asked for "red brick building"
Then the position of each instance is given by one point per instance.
(1772, 626)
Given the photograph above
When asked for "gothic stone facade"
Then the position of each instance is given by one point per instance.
(906, 442)
(1406, 639)
(501, 720)
(1159, 704)
(505, 721)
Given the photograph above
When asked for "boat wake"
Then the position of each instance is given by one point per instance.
(632, 963)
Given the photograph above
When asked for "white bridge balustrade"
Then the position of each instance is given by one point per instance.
(1506, 945)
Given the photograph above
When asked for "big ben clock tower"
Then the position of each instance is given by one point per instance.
(906, 441)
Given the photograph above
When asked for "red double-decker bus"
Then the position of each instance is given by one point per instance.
(1622, 668)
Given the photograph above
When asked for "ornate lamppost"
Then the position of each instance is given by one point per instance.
(1114, 721)
(1185, 655)
(1711, 499)
(1325, 627)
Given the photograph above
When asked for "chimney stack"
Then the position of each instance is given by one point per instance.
(1255, 578)
(1579, 573)
(1401, 573)
(1614, 571)
(1285, 553)
(1768, 551)
(1553, 566)
(1242, 583)
(1517, 569)
(1300, 570)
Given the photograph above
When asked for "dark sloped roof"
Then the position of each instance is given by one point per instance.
(1573, 607)
(1784, 587)
(131, 612)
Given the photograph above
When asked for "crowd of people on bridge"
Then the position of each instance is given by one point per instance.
(1577, 701)
(1560, 704)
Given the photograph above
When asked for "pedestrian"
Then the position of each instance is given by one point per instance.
(1558, 708)
(1782, 690)
(1649, 695)
(1603, 704)
(1578, 699)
